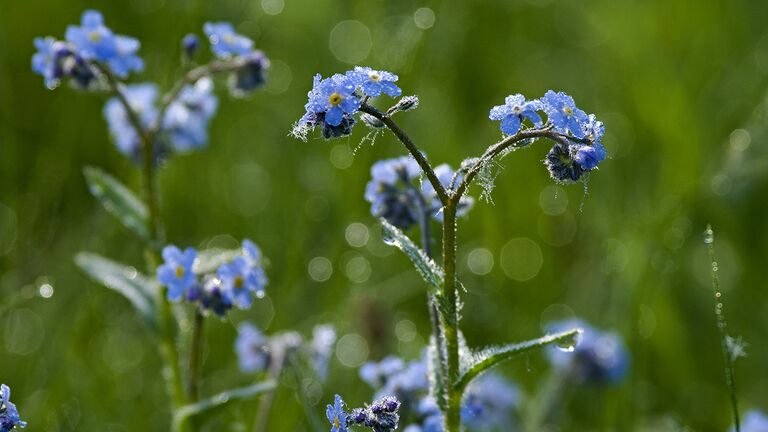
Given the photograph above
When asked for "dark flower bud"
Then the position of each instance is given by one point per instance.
(371, 121)
(189, 45)
(251, 75)
(561, 165)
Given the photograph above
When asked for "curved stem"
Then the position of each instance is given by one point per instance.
(412, 149)
(518, 140)
(191, 77)
(277, 362)
(195, 357)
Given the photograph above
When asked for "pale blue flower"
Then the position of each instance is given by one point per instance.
(514, 111)
(252, 348)
(225, 42)
(9, 415)
(336, 415)
(373, 82)
(176, 272)
(141, 98)
(187, 118)
(563, 113)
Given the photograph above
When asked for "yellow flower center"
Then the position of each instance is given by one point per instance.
(229, 38)
(568, 111)
(239, 281)
(179, 271)
(374, 76)
(336, 422)
(517, 109)
(334, 99)
(94, 36)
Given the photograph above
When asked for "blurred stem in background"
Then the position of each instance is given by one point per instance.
(722, 327)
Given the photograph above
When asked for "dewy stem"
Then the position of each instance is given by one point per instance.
(519, 140)
(450, 318)
(166, 323)
(412, 149)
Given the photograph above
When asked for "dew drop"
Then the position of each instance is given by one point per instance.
(709, 236)
(570, 343)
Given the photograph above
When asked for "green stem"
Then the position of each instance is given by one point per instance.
(412, 149)
(277, 362)
(722, 327)
(450, 318)
(166, 323)
(195, 357)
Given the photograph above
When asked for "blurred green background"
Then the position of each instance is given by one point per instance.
(680, 85)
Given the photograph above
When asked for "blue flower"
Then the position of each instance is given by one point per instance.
(321, 348)
(488, 403)
(252, 348)
(336, 415)
(210, 296)
(589, 156)
(251, 76)
(141, 97)
(598, 358)
(176, 272)
(373, 82)
(126, 59)
(753, 421)
(564, 114)
(186, 120)
(9, 415)
(376, 374)
(225, 42)
(334, 97)
(240, 280)
(56, 60)
(392, 193)
(514, 111)
(95, 41)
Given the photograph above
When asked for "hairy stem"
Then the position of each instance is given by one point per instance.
(519, 140)
(450, 318)
(195, 358)
(722, 327)
(412, 149)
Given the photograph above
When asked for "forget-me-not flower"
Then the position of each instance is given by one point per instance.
(373, 82)
(563, 113)
(488, 403)
(240, 280)
(251, 76)
(336, 415)
(93, 40)
(9, 415)
(445, 174)
(334, 97)
(392, 193)
(176, 272)
(321, 348)
(56, 60)
(225, 42)
(514, 111)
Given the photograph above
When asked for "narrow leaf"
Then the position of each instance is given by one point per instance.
(220, 399)
(126, 280)
(431, 272)
(208, 260)
(473, 364)
(118, 200)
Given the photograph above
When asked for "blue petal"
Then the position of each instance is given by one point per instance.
(334, 115)
(510, 125)
(371, 88)
(391, 89)
(350, 105)
(533, 116)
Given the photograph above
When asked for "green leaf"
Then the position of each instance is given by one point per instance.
(431, 272)
(126, 280)
(217, 400)
(476, 362)
(118, 200)
(208, 260)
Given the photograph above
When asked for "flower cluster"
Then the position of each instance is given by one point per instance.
(598, 358)
(487, 403)
(9, 415)
(334, 101)
(753, 421)
(380, 416)
(92, 51)
(256, 352)
(581, 149)
(86, 48)
(234, 283)
(395, 195)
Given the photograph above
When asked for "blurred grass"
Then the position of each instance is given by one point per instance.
(671, 79)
